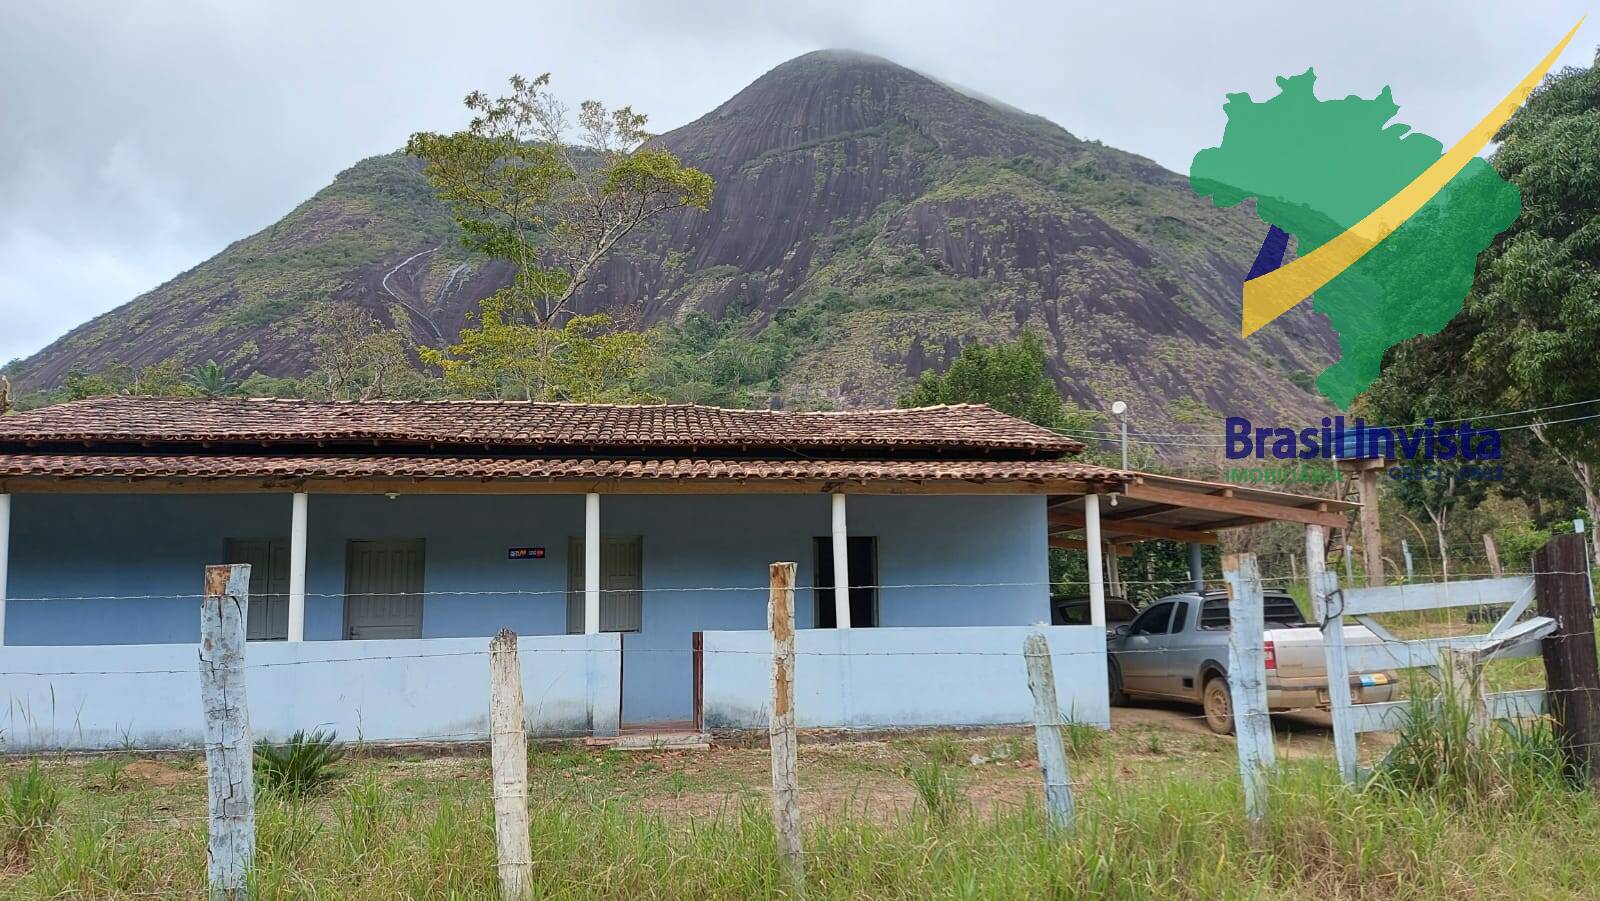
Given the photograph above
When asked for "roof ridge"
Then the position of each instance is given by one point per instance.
(504, 402)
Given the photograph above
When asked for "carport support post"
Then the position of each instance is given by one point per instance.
(591, 564)
(5, 558)
(297, 567)
(841, 562)
(1247, 679)
(1091, 541)
(1324, 586)
(1197, 568)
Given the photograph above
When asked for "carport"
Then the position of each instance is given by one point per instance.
(1192, 511)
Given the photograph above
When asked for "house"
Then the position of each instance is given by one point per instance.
(627, 545)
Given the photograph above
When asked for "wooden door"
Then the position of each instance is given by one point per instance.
(268, 616)
(383, 589)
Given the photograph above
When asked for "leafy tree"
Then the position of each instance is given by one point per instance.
(1013, 377)
(581, 361)
(357, 357)
(702, 360)
(211, 380)
(1531, 326)
(553, 196)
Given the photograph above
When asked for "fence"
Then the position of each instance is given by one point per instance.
(856, 679)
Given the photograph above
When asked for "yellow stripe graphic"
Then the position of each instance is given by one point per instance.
(1269, 296)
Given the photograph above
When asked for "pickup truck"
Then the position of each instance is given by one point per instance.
(1177, 649)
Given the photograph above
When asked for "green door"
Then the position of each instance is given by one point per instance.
(383, 589)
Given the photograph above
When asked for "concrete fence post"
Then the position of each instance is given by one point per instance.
(508, 763)
(1247, 679)
(1047, 732)
(230, 776)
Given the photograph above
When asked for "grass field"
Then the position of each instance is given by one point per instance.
(943, 815)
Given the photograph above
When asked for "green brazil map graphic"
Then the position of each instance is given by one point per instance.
(1314, 168)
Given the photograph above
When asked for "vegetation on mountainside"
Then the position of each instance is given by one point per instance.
(897, 222)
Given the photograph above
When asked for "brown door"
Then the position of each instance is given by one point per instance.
(383, 589)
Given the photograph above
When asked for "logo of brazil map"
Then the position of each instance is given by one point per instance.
(1387, 224)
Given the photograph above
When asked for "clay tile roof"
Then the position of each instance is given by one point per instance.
(512, 424)
(422, 467)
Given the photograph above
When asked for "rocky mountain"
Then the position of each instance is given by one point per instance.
(901, 217)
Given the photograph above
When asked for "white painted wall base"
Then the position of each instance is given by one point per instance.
(893, 678)
(148, 696)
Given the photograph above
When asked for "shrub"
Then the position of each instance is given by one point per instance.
(300, 766)
(27, 809)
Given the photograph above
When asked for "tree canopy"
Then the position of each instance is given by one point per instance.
(1530, 329)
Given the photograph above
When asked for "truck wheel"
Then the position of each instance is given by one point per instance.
(1218, 705)
(1119, 698)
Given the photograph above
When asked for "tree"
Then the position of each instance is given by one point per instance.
(524, 192)
(581, 361)
(357, 357)
(210, 380)
(1530, 328)
(1013, 377)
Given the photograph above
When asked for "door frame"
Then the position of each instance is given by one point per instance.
(422, 607)
(816, 570)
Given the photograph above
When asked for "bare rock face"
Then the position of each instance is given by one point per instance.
(915, 217)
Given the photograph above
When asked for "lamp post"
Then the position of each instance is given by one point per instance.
(1119, 409)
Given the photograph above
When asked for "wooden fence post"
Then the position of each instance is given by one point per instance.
(1294, 567)
(1047, 732)
(780, 734)
(1247, 679)
(508, 762)
(1405, 551)
(1324, 586)
(1571, 666)
(1493, 553)
(230, 776)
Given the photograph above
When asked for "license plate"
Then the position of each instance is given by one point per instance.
(1371, 679)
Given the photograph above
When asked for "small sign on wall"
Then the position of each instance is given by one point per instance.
(525, 553)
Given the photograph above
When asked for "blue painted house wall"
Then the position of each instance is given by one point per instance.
(126, 569)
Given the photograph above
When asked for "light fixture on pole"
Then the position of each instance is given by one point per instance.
(1120, 410)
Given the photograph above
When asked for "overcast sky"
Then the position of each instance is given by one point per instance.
(138, 138)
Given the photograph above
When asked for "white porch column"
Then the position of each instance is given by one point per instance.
(591, 564)
(841, 564)
(297, 567)
(1091, 540)
(5, 558)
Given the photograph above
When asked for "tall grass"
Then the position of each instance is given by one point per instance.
(1429, 827)
(28, 807)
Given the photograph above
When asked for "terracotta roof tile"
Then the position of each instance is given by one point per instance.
(504, 424)
(124, 466)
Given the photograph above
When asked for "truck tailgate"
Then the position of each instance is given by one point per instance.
(1300, 656)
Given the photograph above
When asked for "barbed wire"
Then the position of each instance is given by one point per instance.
(762, 590)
